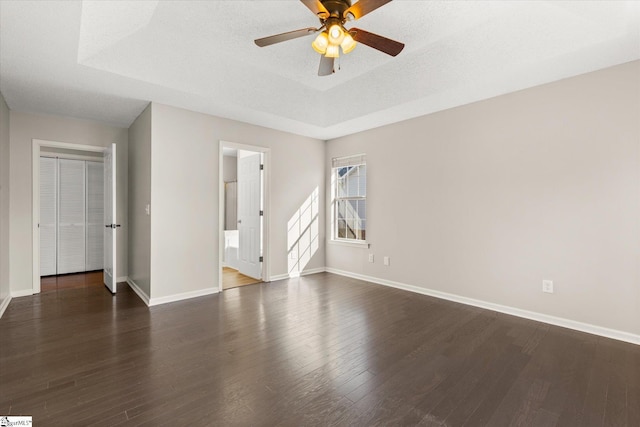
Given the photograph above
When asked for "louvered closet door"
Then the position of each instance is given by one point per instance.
(71, 216)
(48, 202)
(95, 216)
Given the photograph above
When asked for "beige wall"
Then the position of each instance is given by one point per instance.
(5, 289)
(139, 232)
(26, 127)
(486, 200)
(184, 194)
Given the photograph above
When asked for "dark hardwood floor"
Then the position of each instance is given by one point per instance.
(316, 350)
(70, 281)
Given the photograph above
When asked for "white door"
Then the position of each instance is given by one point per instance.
(249, 224)
(110, 219)
(48, 216)
(94, 258)
(71, 216)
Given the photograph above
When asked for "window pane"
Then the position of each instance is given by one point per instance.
(343, 171)
(341, 190)
(342, 229)
(362, 181)
(351, 209)
(351, 227)
(341, 209)
(361, 210)
(362, 231)
(349, 183)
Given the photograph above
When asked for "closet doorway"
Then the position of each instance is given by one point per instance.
(243, 214)
(73, 215)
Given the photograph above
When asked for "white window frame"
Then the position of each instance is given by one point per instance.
(337, 164)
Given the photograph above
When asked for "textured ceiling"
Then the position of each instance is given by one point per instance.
(105, 60)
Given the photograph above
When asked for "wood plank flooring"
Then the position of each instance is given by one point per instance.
(232, 278)
(315, 350)
(70, 281)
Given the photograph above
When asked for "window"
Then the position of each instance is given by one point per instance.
(349, 188)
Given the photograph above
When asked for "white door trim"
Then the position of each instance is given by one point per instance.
(266, 265)
(35, 181)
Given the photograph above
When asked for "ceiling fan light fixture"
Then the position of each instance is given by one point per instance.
(320, 43)
(333, 51)
(332, 36)
(348, 43)
(336, 34)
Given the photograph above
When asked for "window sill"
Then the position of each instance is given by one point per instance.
(355, 244)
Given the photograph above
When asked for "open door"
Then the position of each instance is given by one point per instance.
(249, 214)
(110, 219)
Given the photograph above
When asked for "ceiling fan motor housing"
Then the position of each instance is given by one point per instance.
(336, 9)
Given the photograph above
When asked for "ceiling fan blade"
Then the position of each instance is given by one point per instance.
(326, 66)
(362, 7)
(266, 41)
(383, 44)
(316, 7)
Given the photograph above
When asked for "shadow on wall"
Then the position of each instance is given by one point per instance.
(302, 235)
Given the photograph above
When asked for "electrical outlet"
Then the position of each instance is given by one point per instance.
(547, 286)
(386, 260)
(370, 257)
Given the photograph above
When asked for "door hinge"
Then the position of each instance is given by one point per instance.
(261, 259)
(261, 167)
(261, 213)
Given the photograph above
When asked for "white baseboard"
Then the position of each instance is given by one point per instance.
(22, 293)
(121, 279)
(302, 273)
(313, 271)
(144, 297)
(183, 296)
(4, 304)
(545, 318)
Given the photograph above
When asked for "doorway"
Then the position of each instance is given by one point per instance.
(243, 215)
(73, 195)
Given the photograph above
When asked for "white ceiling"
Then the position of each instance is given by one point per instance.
(106, 60)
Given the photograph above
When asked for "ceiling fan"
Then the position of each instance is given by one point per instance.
(333, 15)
